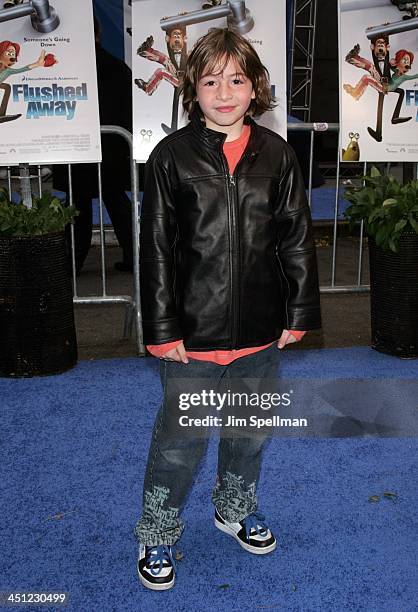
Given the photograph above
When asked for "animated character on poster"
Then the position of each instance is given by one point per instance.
(352, 153)
(174, 66)
(380, 70)
(409, 7)
(11, 3)
(211, 4)
(9, 54)
(401, 63)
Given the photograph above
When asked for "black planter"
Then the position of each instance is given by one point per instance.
(394, 297)
(37, 332)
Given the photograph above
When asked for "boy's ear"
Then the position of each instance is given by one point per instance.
(253, 94)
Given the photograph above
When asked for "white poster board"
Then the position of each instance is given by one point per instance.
(48, 89)
(378, 83)
(154, 87)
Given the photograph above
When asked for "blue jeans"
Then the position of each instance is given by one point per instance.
(173, 460)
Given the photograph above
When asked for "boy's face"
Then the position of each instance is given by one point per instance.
(224, 98)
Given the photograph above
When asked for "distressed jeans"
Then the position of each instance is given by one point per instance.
(173, 460)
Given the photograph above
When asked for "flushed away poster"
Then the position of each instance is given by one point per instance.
(159, 56)
(378, 48)
(48, 87)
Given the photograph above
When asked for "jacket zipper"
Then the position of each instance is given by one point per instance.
(235, 258)
(234, 255)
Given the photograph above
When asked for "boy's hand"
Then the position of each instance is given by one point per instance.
(287, 338)
(176, 354)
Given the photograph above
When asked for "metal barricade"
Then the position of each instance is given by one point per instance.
(132, 303)
(359, 287)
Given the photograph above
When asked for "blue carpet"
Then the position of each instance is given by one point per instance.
(73, 450)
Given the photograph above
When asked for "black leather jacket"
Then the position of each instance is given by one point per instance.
(226, 262)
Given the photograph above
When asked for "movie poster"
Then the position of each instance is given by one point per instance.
(48, 87)
(378, 80)
(159, 58)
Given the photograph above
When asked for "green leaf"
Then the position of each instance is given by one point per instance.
(414, 223)
(381, 236)
(374, 498)
(47, 215)
(400, 225)
(385, 205)
(375, 214)
(392, 245)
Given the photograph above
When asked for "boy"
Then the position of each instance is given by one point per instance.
(228, 269)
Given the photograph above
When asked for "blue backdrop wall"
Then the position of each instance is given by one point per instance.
(110, 15)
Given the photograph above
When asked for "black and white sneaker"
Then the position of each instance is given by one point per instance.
(251, 533)
(156, 567)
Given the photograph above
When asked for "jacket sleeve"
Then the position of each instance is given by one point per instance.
(158, 236)
(295, 250)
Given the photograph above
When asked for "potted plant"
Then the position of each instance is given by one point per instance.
(389, 210)
(37, 332)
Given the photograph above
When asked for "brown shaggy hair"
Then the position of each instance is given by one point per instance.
(213, 52)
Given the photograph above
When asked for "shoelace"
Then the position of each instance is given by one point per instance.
(255, 520)
(156, 555)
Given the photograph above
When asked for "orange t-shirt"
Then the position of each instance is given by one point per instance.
(233, 152)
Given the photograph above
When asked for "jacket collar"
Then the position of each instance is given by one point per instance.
(216, 139)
